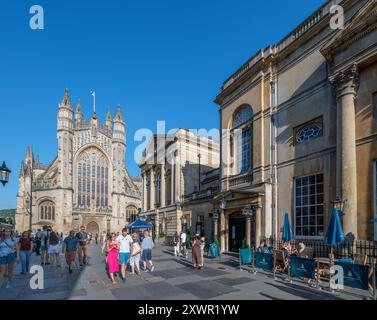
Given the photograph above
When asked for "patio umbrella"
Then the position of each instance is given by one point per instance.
(287, 229)
(334, 235)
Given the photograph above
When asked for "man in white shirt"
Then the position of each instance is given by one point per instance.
(183, 243)
(124, 241)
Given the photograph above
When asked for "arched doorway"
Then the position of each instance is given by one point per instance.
(236, 231)
(92, 227)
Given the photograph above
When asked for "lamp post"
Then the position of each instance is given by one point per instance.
(340, 205)
(4, 174)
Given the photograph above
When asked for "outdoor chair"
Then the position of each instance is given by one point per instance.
(280, 261)
(360, 259)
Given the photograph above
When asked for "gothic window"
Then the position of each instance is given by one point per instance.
(47, 211)
(242, 139)
(309, 206)
(131, 213)
(92, 178)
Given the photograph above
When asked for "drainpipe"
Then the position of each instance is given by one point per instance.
(273, 156)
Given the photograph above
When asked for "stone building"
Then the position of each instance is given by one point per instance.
(172, 166)
(87, 182)
(199, 211)
(299, 122)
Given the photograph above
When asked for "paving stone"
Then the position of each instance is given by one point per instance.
(234, 281)
(207, 289)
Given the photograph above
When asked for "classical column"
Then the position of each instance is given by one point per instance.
(222, 230)
(172, 175)
(248, 231)
(177, 178)
(157, 226)
(144, 191)
(215, 227)
(163, 186)
(345, 84)
(153, 189)
(258, 224)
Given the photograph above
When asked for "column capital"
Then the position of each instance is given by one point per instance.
(345, 82)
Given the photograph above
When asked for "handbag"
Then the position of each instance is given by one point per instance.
(138, 249)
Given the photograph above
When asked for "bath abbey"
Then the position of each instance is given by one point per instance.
(86, 184)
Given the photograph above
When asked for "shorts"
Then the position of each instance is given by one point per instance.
(70, 257)
(124, 257)
(146, 255)
(54, 249)
(43, 249)
(135, 260)
(9, 259)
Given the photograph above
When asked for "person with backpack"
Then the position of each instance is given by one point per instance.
(25, 248)
(9, 255)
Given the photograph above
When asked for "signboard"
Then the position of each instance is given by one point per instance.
(246, 255)
(264, 261)
(354, 275)
(302, 267)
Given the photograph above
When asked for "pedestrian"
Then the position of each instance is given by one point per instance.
(54, 249)
(45, 235)
(135, 254)
(69, 249)
(83, 249)
(37, 241)
(124, 241)
(183, 239)
(96, 237)
(25, 248)
(146, 251)
(104, 237)
(112, 248)
(176, 244)
(202, 245)
(196, 254)
(9, 255)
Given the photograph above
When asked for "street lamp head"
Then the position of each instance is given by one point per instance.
(4, 174)
(339, 204)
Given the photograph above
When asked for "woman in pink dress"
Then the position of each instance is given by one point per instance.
(112, 247)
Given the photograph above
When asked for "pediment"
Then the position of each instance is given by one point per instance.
(360, 25)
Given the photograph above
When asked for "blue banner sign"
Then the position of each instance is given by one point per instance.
(246, 255)
(264, 261)
(301, 267)
(214, 249)
(355, 275)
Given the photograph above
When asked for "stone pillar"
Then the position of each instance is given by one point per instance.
(345, 84)
(258, 225)
(215, 228)
(163, 187)
(153, 189)
(172, 175)
(177, 178)
(222, 230)
(157, 226)
(248, 231)
(144, 203)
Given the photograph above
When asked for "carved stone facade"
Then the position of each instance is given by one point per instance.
(86, 184)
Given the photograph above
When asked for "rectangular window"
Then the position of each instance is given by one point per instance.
(309, 208)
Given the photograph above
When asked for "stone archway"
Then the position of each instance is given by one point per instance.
(92, 227)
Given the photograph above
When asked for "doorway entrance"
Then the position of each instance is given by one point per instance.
(92, 227)
(236, 231)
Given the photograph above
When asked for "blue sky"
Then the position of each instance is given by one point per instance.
(160, 59)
